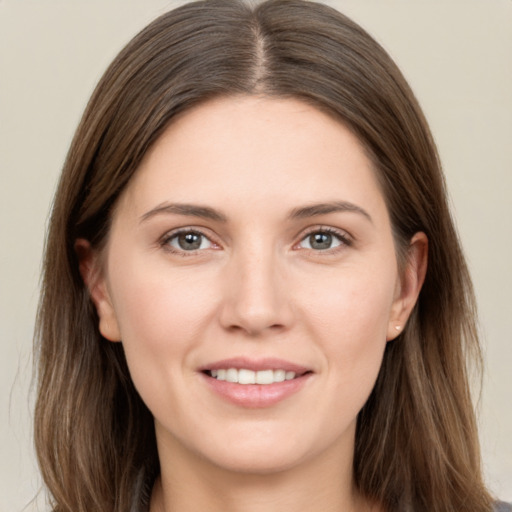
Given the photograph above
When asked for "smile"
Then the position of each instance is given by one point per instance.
(255, 383)
(246, 376)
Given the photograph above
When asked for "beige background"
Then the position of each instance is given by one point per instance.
(457, 55)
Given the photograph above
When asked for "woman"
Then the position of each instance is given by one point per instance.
(253, 293)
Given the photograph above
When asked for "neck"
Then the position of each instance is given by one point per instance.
(188, 484)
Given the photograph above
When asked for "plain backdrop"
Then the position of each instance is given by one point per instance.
(457, 55)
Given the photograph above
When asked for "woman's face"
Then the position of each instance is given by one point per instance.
(253, 245)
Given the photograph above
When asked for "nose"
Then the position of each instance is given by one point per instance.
(256, 299)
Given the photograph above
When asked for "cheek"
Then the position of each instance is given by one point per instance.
(349, 319)
(161, 316)
(353, 302)
(155, 304)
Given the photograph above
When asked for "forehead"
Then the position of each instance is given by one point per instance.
(241, 150)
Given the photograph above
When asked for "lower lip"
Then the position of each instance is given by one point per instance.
(256, 396)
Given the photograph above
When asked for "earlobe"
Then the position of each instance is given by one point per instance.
(94, 280)
(409, 285)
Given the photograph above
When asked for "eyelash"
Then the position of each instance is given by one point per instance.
(168, 237)
(341, 236)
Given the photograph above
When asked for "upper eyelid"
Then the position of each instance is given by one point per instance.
(342, 233)
(170, 234)
(187, 229)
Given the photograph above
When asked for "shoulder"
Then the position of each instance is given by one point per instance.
(501, 506)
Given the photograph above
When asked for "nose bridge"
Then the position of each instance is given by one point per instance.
(255, 299)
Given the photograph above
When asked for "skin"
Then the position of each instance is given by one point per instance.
(255, 288)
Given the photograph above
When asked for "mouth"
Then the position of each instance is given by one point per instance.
(246, 376)
(253, 383)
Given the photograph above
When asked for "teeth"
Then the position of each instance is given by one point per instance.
(279, 375)
(248, 377)
(264, 377)
(232, 375)
(244, 376)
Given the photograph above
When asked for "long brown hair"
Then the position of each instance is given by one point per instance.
(416, 442)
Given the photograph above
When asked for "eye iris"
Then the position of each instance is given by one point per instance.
(189, 241)
(320, 241)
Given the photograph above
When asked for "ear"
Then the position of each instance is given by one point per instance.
(409, 284)
(93, 276)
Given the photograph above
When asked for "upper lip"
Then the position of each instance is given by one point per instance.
(268, 363)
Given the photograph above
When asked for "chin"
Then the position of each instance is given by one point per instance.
(267, 451)
(258, 463)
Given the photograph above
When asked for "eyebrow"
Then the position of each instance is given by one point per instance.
(325, 208)
(190, 210)
(205, 212)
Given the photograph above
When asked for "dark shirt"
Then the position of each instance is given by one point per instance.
(143, 492)
(501, 506)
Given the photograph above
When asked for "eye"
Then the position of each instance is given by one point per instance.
(187, 241)
(322, 240)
